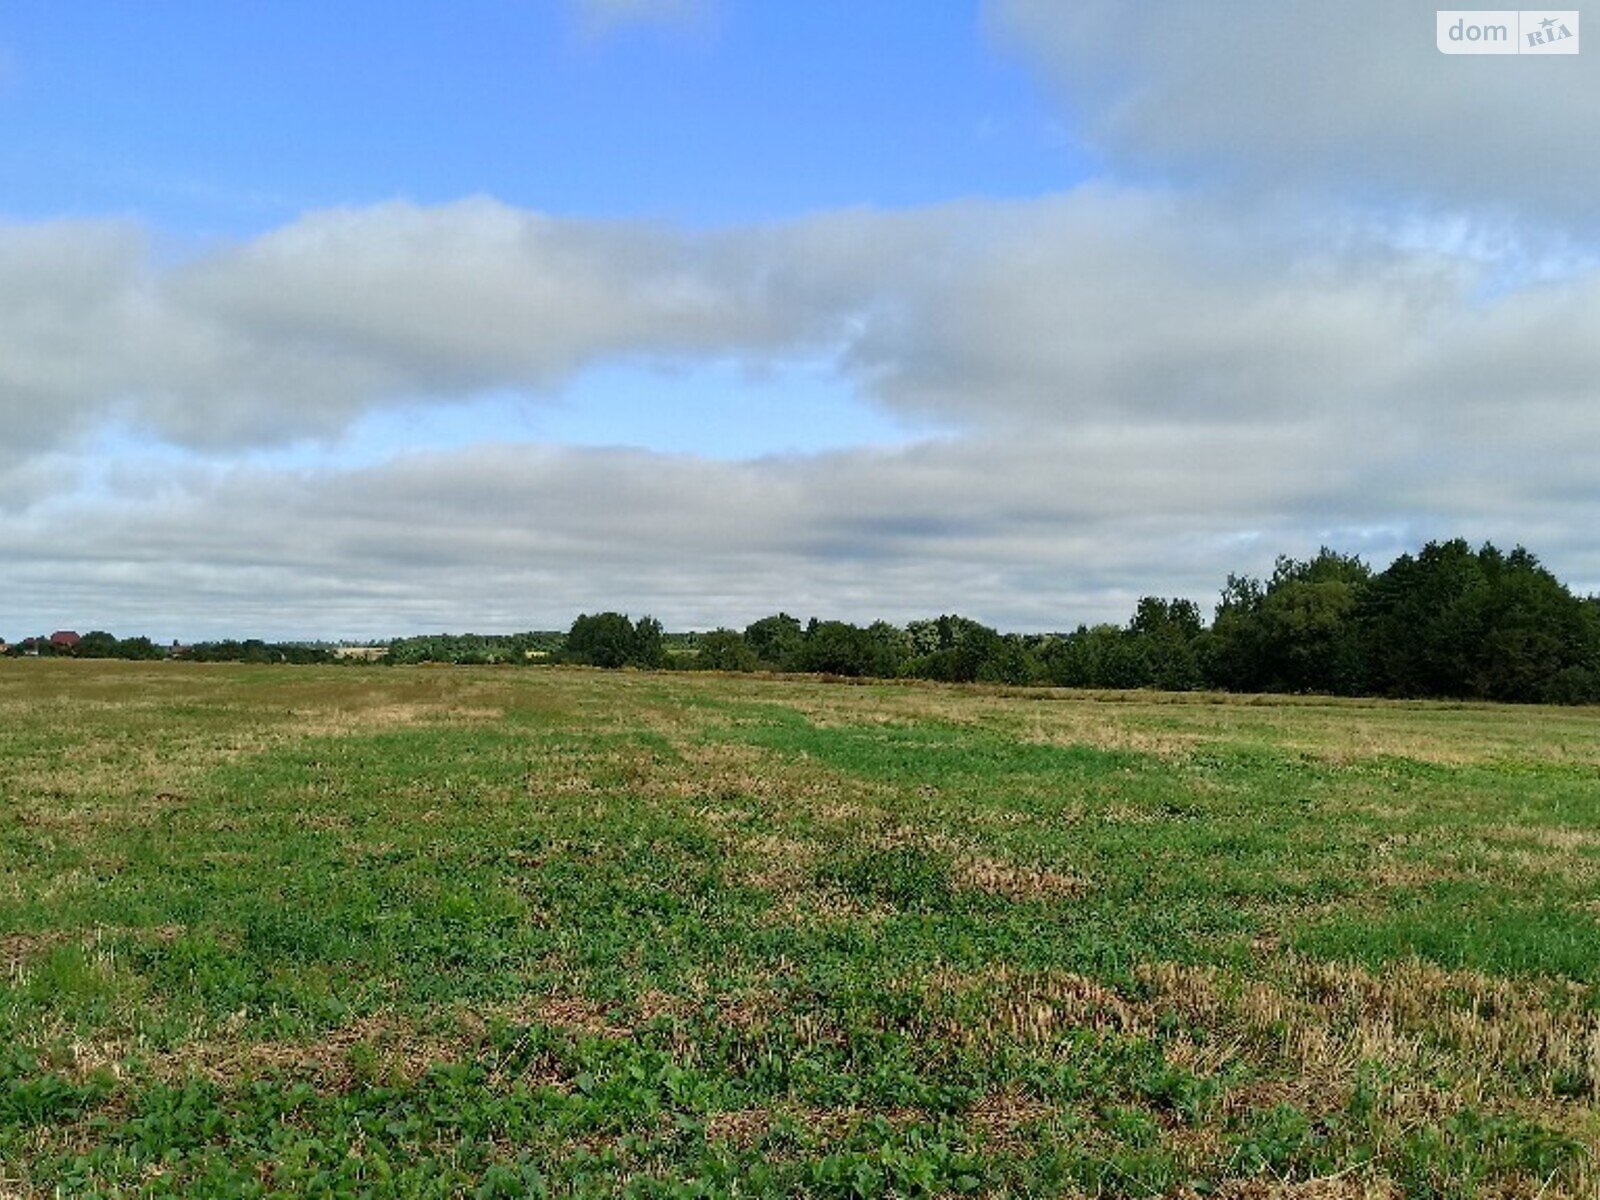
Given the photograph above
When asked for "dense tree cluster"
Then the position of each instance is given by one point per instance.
(100, 644)
(254, 650)
(1449, 621)
(96, 644)
(610, 639)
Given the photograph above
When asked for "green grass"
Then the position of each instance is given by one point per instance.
(413, 932)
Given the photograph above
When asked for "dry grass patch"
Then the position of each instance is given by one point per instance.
(1110, 730)
(1351, 1186)
(811, 908)
(368, 718)
(575, 1014)
(1551, 837)
(1320, 1021)
(775, 863)
(770, 786)
(1001, 1116)
(17, 950)
(1014, 881)
(382, 1047)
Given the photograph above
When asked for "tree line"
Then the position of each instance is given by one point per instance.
(1448, 621)
(100, 644)
(95, 644)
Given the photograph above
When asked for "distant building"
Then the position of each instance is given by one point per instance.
(65, 639)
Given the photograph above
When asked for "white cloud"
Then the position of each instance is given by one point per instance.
(297, 332)
(1121, 304)
(1099, 303)
(1034, 531)
(1350, 99)
(1147, 389)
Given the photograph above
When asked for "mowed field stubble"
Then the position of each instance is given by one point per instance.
(505, 932)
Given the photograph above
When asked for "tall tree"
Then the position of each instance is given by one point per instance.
(775, 640)
(1308, 625)
(1166, 635)
(649, 648)
(602, 640)
(1456, 622)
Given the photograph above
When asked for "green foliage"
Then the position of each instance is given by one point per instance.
(1236, 655)
(1454, 622)
(97, 643)
(1296, 633)
(473, 649)
(1101, 656)
(1452, 1160)
(776, 640)
(648, 649)
(1450, 622)
(611, 640)
(601, 640)
(140, 649)
(905, 876)
(839, 648)
(1275, 1142)
(1166, 636)
(956, 649)
(724, 650)
(254, 650)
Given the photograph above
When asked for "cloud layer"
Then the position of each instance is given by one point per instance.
(299, 331)
(1029, 532)
(1098, 305)
(1148, 389)
(1351, 99)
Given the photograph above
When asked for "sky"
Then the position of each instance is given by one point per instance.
(351, 321)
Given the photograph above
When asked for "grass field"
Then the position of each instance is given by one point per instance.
(343, 931)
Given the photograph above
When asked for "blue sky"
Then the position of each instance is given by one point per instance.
(356, 320)
(228, 119)
(225, 121)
